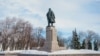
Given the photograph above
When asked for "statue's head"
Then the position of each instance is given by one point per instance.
(49, 9)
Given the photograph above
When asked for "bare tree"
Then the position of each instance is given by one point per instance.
(60, 39)
(88, 36)
(17, 34)
(5, 28)
(38, 34)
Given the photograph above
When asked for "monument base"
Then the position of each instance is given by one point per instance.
(51, 43)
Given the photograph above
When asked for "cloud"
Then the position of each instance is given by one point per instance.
(69, 14)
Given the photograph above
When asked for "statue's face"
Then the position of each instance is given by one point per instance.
(49, 9)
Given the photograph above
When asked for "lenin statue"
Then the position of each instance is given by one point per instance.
(50, 17)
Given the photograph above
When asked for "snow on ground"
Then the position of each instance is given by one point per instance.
(76, 52)
(25, 52)
(70, 51)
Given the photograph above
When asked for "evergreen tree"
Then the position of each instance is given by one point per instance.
(75, 41)
(89, 45)
(95, 45)
(83, 44)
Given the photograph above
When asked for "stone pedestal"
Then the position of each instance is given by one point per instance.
(51, 43)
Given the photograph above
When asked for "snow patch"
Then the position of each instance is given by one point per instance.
(24, 52)
(82, 51)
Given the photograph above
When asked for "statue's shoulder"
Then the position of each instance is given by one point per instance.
(47, 13)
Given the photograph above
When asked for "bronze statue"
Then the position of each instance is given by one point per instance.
(50, 17)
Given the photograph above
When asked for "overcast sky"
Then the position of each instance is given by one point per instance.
(70, 14)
